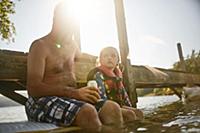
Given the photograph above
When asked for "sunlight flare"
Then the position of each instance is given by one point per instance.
(79, 10)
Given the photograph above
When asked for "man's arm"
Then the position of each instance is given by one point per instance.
(36, 68)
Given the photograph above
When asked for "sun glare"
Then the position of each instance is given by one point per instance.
(80, 10)
(97, 25)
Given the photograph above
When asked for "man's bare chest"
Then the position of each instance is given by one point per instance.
(60, 62)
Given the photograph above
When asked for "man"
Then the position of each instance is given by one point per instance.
(51, 83)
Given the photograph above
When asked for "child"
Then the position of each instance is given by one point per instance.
(109, 79)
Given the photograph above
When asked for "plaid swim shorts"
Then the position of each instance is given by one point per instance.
(52, 109)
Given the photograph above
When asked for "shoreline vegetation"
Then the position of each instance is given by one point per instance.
(157, 91)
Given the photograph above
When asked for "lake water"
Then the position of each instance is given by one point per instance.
(15, 112)
(162, 114)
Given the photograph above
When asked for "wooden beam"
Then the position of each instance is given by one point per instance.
(12, 85)
(13, 95)
(150, 77)
(124, 49)
(158, 85)
(121, 27)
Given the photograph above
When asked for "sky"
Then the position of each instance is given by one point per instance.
(153, 27)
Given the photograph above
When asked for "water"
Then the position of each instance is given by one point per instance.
(162, 114)
(174, 118)
(12, 114)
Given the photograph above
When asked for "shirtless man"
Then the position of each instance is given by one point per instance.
(53, 95)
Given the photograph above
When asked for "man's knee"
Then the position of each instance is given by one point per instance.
(87, 116)
(88, 111)
(112, 106)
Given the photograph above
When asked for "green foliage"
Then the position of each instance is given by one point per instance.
(165, 91)
(7, 28)
(192, 63)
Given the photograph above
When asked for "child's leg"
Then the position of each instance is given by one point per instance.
(128, 115)
(139, 114)
(110, 114)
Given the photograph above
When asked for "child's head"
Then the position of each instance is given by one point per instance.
(109, 57)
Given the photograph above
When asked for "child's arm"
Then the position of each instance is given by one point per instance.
(125, 97)
(94, 74)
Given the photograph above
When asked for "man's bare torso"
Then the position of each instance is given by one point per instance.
(59, 64)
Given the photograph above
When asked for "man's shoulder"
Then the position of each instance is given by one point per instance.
(38, 44)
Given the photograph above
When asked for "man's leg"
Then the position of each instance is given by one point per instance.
(88, 118)
(110, 114)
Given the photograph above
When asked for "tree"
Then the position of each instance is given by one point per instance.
(7, 28)
(192, 63)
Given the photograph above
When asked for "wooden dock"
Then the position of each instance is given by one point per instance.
(13, 75)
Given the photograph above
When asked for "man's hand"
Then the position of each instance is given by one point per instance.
(89, 94)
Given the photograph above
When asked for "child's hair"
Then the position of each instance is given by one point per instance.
(109, 48)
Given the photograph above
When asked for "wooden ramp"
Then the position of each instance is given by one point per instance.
(25, 126)
(34, 127)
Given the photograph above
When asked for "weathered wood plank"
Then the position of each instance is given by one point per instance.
(13, 65)
(149, 77)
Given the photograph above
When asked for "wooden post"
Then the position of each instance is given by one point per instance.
(183, 67)
(180, 53)
(190, 81)
(124, 49)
